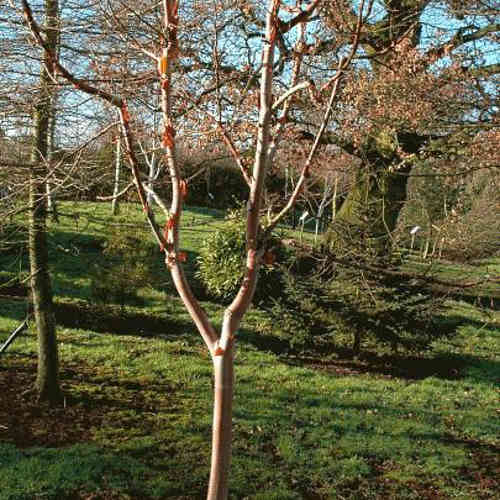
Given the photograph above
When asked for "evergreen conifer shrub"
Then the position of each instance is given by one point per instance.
(352, 296)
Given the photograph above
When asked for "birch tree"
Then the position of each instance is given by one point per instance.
(265, 103)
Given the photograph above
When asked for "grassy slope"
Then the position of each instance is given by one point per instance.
(138, 419)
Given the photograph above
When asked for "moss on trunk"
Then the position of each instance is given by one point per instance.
(373, 204)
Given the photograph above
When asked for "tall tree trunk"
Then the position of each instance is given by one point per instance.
(47, 381)
(51, 201)
(375, 201)
(118, 165)
(379, 191)
(378, 194)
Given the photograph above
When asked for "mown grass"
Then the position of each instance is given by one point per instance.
(138, 415)
(481, 278)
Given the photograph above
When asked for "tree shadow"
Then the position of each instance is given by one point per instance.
(390, 366)
(263, 342)
(339, 360)
(118, 320)
(287, 426)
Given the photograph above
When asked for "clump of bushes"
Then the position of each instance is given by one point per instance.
(221, 263)
(126, 269)
(474, 236)
(351, 307)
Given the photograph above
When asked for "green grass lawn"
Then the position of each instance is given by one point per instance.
(137, 419)
(484, 276)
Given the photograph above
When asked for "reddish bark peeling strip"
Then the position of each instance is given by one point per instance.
(183, 188)
(168, 137)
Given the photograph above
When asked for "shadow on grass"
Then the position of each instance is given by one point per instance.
(481, 370)
(80, 314)
(441, 365)
(400, 366)
(115, 319)
(263, 342)
(355, 432)
(344, 361)
(50, 453)
(338, 360)
(75, 243)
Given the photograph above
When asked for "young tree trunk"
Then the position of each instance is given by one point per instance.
(152, 161)
(47, 381)
(222, 424)
(220, 347)
(154, 171)
(118, 165)
(223, 354)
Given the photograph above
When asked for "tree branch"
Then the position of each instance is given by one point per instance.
(285, 26)
(58, 67)
(305, 171)
(460, 39)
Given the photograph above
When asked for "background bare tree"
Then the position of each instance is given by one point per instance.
(47, 382)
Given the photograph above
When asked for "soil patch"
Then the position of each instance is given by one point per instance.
(25, 423)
